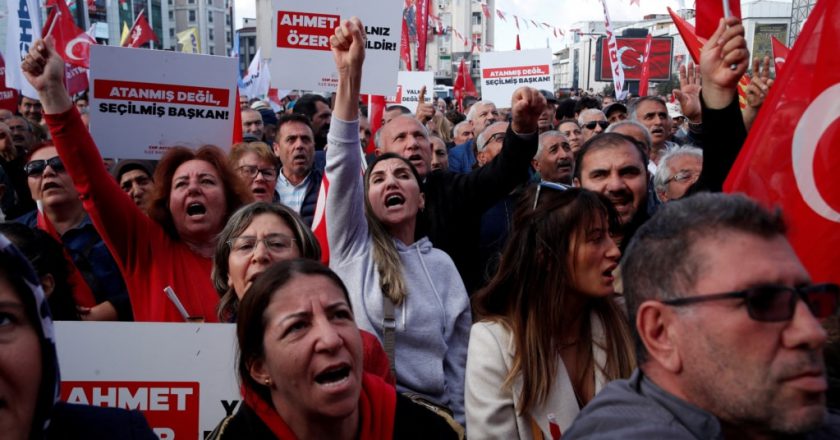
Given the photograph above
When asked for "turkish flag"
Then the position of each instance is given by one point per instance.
(71, 43)
(644, 80)
(689, 36)
(709, 13)
(518, 46)
(141, 33)
(792, 153)
(405, 49)
(780, 54)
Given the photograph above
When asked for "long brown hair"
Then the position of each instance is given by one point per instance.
(530, 293)
(236, 194)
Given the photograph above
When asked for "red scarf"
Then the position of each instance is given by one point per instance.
(377, 408)
(82, 295)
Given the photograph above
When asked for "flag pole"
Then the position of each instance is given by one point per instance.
(727, 12)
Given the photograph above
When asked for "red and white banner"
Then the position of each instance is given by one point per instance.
(422, 32)
(631, 53)
(617, 69)
(23, 27)
(644, 79)
(180, 376)
(144, 102)
(504, 72)
(300, 38)
(792, 153)
(409, 85)
(780, 54)
(71, 43)
(405, 46)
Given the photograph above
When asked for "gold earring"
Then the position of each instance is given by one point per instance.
(267, 381)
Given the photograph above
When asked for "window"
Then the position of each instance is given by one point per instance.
(209, 16)
(192, 2)
(476, 18)
(210, 34)
(171, 15)
(227, 36)
(192, 16)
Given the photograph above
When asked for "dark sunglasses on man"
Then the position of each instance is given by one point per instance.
(37, 167)
(591, 124)
(775, 303)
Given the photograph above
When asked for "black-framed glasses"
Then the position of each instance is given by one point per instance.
(774, 303)
(277, 244)
(250, 171)
(591, 124)
(37, 167)
(496, 137)
(550, 185)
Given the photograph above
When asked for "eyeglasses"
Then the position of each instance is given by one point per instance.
(683, 176)
(591, 125)
(276, 244)
(774, 303)
(496, 137)
(37, 167)
(550, 185)
(251, 171)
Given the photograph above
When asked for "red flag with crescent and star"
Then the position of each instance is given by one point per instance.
(792, 152)
(71, 43)
(780, 54)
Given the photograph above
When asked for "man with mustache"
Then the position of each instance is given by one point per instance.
(652, 112)
(725, 349)
(554, 158)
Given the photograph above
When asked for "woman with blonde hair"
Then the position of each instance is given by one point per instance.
(550, 335)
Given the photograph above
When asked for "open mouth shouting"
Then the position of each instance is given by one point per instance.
(196, 209)
(334, 377)
(394, 200)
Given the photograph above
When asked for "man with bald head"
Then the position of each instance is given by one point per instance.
(489, 142)
(454, 201)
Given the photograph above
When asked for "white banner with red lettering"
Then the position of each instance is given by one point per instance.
(180, 376)
(504, 72)
(301, 57)
(144, 102)
(409, 85)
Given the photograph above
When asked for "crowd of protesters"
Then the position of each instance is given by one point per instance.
(544, 267)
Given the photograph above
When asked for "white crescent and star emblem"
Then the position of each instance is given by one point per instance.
(68, 50)
(779, 60)
(621, 55)
(822, 112)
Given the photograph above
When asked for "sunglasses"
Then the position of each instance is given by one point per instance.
(775, 303)
(37, 167)
(591, 125)
(549, 185)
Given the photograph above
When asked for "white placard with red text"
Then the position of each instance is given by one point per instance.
(504, 72)
(300, 53)
(181, 376)
(146, 101)
(408, 89)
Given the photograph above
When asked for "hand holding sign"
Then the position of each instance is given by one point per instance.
(425, 110)
(526, 107)
(348, 47)
(44, 69)
(726, 47)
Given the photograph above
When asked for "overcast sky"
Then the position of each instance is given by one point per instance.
(560, 13)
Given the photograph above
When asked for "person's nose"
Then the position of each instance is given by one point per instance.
(804, 330)
(261, 253)
(328, 337)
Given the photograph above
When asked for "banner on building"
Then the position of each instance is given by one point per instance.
(180, 376)
(762, 38)
(301, 38)
(504, 72)
(630, 55)
(409, 85)
(144, 102)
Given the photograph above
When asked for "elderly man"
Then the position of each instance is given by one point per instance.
(23, 135)
(615, 112)
(454, 201)
(725, 349)
(554, 158)
(678, 169)
(571, 129)
(317, 109)
(299, 180)
(592, 121)
(489, 142)
(463, 132)
(463, 157)
(136, 178)
(252, 123)
(652, 112)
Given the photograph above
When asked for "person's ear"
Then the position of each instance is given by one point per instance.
(259, 372)
(576, 182)
(659, 329)
(422, 201)
(48, 284)
(377, 151)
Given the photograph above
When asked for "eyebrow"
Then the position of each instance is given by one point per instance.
(303, 314)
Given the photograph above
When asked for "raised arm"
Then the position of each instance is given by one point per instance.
(347, 229)
(112, 212)
(724, 132)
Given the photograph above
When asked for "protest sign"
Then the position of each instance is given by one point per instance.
(301, 57)
(180, 376)
(504, 72)
(409, 85)
(144, 102)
